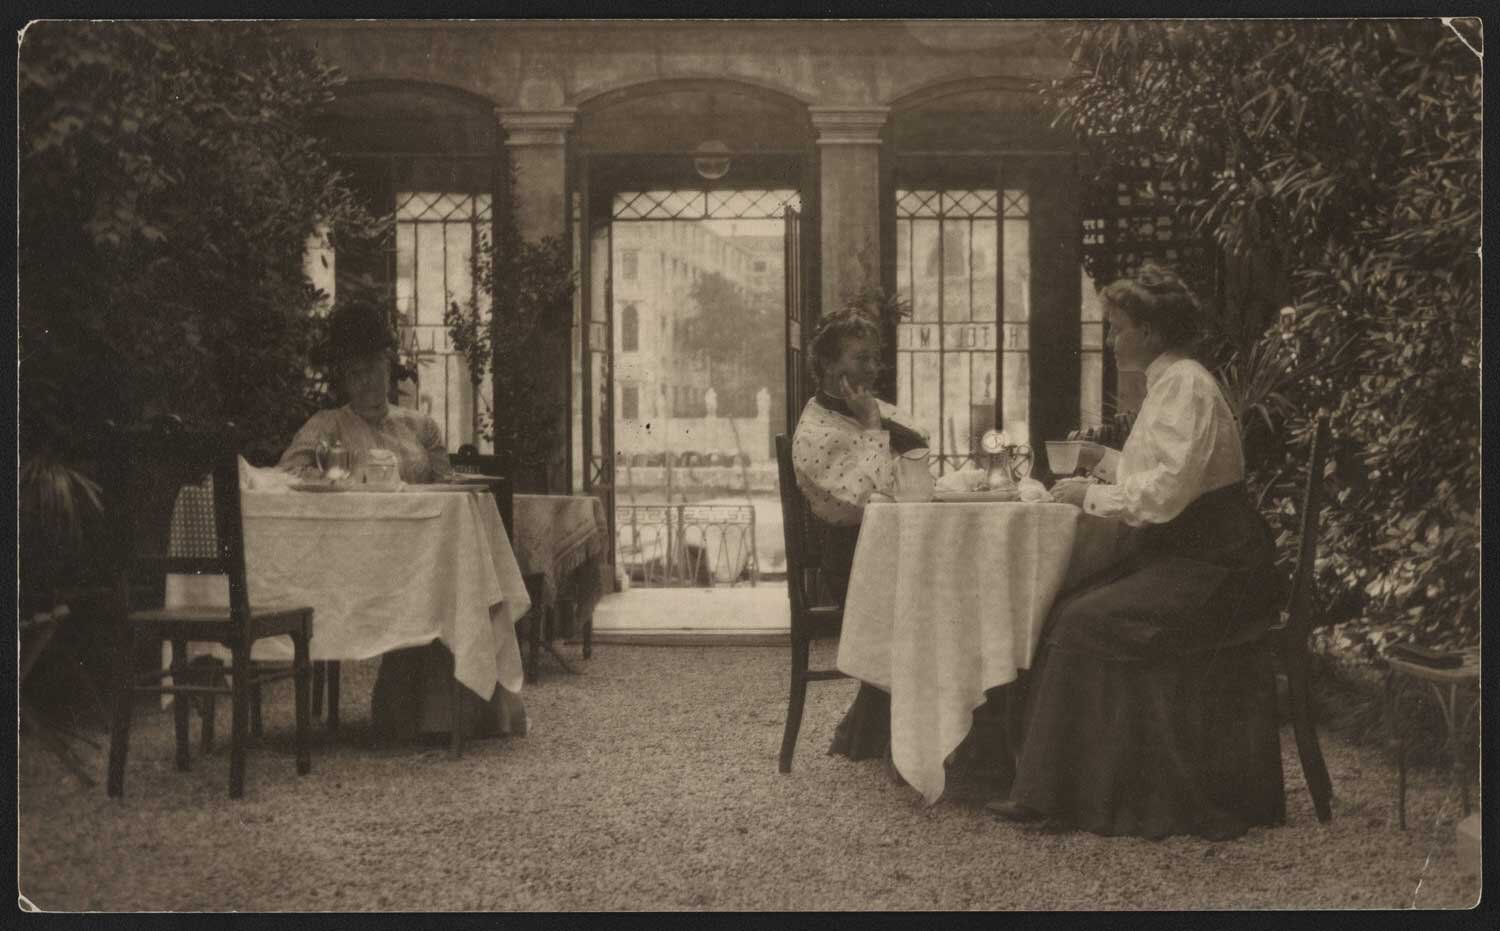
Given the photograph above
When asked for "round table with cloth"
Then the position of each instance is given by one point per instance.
(948, 599)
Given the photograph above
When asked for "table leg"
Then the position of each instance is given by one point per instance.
(1398, 744)
(1450, 720)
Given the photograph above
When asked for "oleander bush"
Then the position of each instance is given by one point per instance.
(1339, 162)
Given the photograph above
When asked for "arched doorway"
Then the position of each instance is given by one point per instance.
(673, 415)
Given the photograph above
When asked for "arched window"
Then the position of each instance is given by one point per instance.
(630, 329)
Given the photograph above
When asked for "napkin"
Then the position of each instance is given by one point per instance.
(253, 479)
(1033, 491)
(969, 478)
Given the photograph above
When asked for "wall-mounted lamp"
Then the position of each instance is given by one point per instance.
(711, 160)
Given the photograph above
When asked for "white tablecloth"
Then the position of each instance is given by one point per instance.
(947, 600)
(555, 534)
(383, 571)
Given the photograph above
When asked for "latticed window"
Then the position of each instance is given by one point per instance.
(963, 260)
(704, 205)
(1130, 216)
(437, 233)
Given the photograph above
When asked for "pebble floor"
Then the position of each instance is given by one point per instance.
(649, 782)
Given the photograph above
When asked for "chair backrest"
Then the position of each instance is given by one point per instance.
(500, 485)
(172, 499)
(801, 578)
(1300, 604)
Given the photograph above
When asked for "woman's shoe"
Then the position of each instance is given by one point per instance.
(1012, 811)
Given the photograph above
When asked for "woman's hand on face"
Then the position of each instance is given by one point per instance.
(862, 403)
(1071, 491)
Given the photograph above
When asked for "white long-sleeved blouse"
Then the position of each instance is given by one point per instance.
(839, 463)
(1185, 443)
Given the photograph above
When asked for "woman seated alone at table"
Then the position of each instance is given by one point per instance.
(412, 687)
(360, 352)
(1151, 709)
(845, 448)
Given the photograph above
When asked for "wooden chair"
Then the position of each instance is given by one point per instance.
(173, 498)
(1288, 638)
(540, 615)
(809, 621)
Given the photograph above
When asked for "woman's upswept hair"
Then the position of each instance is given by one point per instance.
(1156, 295)
(832, 332)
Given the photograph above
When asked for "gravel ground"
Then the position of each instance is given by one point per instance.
(649, 782)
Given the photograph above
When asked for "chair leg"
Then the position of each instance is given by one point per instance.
(181, 701)
(319, 671)
(538, 617)
(119, 731)
(333, 695)
(240, 719)
(1313, 768)
(302, 665)
(800, 652)
(588, 636)
(256, 729)
(206, 711)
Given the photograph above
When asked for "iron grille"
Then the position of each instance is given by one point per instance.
(705, 205)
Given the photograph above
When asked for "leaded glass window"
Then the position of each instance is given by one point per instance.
(437, 233)
(963, 260)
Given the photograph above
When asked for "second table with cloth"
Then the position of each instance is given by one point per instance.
(563, 538)
(948, 599)
(385, 571)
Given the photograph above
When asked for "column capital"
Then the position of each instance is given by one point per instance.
(848, 125)
(536, 127)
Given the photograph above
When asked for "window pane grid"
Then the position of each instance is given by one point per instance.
(950, 256)
(748, 204)
(437, 234)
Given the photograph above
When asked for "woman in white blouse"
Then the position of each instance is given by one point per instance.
(844, 449)
(1152, 706)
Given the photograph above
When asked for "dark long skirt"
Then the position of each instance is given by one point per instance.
(1151, 708)
(865, 731)
(412, 697)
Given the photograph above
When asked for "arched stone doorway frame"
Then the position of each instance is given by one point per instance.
(600, 167)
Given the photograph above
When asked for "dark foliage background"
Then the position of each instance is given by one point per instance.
(170, 175)
(1336, 166)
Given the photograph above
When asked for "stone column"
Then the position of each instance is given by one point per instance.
(849, 198)
(536, 143)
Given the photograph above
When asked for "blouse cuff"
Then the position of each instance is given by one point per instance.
(1103, 500)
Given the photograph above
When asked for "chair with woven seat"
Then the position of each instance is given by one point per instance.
(809, 621)
(173, 498)
(1288, 638)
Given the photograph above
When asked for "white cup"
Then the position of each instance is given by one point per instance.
(914, 481)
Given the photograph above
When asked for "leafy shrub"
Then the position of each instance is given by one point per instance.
(1342, 160)
(170, 175)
